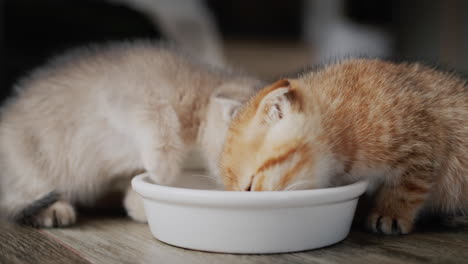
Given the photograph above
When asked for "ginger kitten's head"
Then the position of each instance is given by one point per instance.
(267, 146)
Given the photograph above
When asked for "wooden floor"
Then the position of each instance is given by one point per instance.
(116, 239)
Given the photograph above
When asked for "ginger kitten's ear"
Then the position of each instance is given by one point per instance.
(277, 103)
(229, 107)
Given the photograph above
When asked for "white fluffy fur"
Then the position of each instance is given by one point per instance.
(101, 114)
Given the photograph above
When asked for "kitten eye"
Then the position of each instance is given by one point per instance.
(249, 188)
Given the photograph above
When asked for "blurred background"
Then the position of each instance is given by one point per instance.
(268, 38)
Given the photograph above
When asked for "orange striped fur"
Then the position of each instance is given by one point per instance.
(402, 127)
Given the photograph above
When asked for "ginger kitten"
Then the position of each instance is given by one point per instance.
(87, 122)
(402, 127)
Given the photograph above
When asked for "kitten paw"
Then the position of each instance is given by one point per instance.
(164, 167)
(164, 174)
(389, 225)
(133, 204)
(59, 214)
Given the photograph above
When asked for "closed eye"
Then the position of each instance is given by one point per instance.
(249, 187)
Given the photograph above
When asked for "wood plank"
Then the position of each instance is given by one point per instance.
(439, 243)
(111, 240)
(121, 240)
(27, 245)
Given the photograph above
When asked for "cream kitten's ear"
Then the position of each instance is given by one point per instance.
(229, 107)
(277, 103)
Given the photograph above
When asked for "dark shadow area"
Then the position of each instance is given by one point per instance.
(38, 30)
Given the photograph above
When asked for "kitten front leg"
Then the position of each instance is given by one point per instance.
(397, 205)
(160, 143)
(133, 204)
(162, 162)
(154, 127)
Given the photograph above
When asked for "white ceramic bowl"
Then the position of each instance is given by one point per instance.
(247, 222)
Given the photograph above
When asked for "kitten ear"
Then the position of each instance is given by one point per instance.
(229, 107)
(277, 103)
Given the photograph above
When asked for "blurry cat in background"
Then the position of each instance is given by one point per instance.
(97, 116)
(188, 23)
(402, 127)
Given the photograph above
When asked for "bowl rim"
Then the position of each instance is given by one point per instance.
(220, 198)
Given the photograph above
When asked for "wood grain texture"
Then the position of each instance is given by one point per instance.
(27, 245)
(113, 239)
(124, 241)
(119, 240)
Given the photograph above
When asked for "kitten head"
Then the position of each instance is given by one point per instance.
(223, 106)
(267, 146)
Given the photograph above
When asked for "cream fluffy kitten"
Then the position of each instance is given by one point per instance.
(97, 116)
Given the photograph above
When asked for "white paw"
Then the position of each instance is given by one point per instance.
(133, 204)
(59, 214)
(163, 168)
